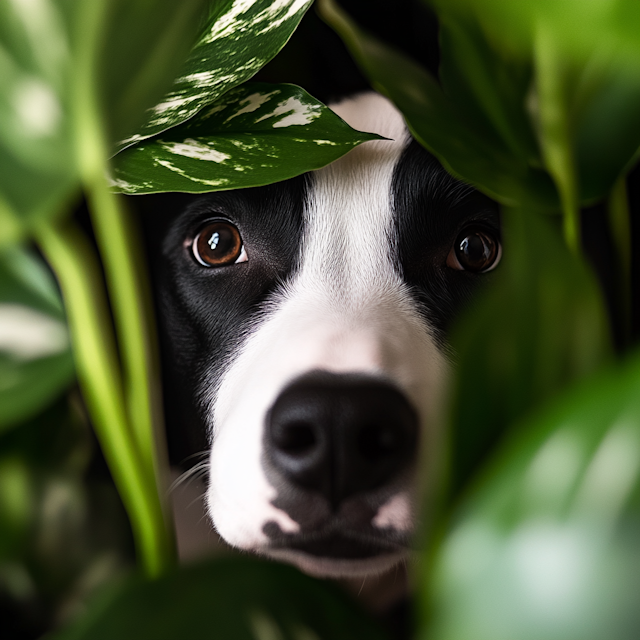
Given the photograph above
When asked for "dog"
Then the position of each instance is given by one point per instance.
(304, 335)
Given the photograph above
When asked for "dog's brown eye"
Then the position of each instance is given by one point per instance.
(476, 249)
(218, 244)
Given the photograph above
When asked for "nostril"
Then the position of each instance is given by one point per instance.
(375, 442)
(295, 438)
(339, 434)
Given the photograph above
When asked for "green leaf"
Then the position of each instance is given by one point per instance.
(540, 326)
(35, 358)
(490, 89)
(547, 546)
(471, 152)
(255, 134)
(239, 39)
(233, 599)
(35, 132)
(581, 28)
(594, 50)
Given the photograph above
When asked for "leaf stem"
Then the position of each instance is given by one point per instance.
(131, 310)
(555, 131)
(76, 267)
(620, 226)
(126, 431)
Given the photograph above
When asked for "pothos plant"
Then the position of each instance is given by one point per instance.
(530, 107)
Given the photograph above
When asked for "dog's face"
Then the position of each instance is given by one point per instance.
(306, 325)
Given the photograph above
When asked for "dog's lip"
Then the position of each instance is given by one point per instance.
(338, 545)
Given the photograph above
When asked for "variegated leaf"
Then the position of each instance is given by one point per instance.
(242, 36)
(256, 134)
(35, 354)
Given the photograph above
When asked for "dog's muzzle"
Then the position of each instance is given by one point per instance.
(332, 443)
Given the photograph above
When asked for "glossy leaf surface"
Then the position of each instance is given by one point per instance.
(35, 358)
(240, 37)
(255, 134)
(540, 326)
(547, 545)
(234, 599)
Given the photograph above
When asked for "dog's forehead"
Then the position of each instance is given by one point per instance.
(372, 113)
(349, 220)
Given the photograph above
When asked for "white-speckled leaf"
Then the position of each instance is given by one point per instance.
(256, 134)
(241, 37)
(35, 355)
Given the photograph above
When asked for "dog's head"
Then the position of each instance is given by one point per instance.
(306, 328)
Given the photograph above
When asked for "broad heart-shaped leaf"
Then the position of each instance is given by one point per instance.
(241, 36)
(36, 161)
(35, 358)
(254, 135)
(548, 546)
(472, 152)
(231, 599)
(540, 325)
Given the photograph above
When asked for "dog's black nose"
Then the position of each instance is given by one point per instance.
(340, 434)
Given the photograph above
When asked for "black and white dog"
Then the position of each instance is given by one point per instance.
(305, 337)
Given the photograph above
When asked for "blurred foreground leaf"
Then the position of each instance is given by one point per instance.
(255, 134)
(547, 546)
(63, 530)
(233, 599)
(35, 357)
(540, 326)
(35, 128)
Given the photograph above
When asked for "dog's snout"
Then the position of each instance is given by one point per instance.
(340, 434)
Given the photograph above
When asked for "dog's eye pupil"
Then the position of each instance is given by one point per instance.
(218, 244)
(474, 250)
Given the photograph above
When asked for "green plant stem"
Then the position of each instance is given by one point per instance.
(130, 307)
(555, 131)
(78, 273)
(620, 226)
(156, 547)
(132, 314)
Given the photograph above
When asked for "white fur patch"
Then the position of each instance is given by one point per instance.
(396, 514)
(346, 310)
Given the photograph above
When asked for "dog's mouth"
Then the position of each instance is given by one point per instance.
(337, 546)
(337, 554)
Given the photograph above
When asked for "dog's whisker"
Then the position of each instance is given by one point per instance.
(198, 454)
(197, 471)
